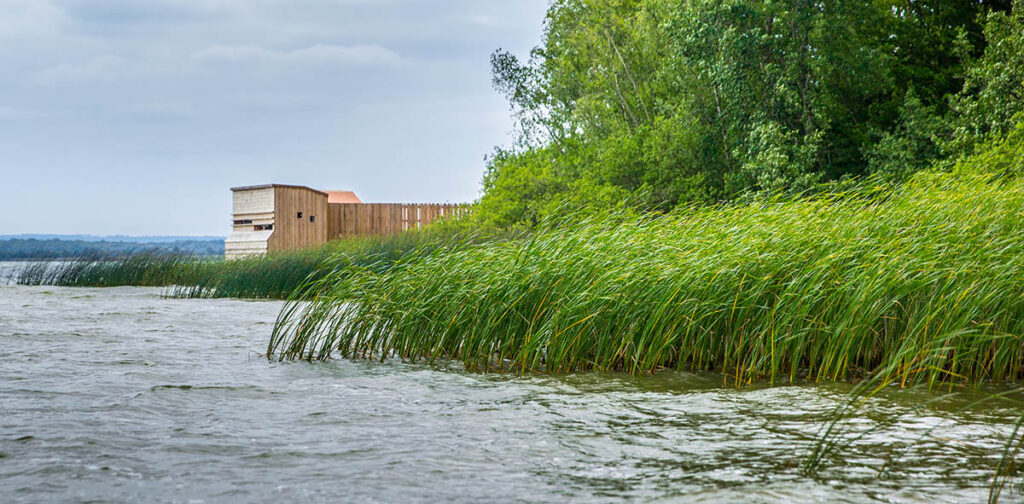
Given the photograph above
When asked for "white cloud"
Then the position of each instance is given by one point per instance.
(484, 21)
(319, 54)
(21, 18)
(162, 109)
(101, 67)
(11, 113)
(154, 92)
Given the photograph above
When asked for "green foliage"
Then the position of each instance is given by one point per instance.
(794, 78)
(993, 94)
(516, 188)
(932, 43)
(659, 103)
(912, 145)
(776, 161)
(1002, 157)
(921, 282)
(599, 117)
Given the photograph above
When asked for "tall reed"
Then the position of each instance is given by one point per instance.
(274, 276)
(924, 282)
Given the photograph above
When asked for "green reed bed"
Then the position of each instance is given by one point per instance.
(139, 269)
(271, 277)
(275, 276)
(926, 280)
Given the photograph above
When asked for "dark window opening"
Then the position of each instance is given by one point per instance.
(264, 227)
(312, 218)
(300, 215)
(244, 221)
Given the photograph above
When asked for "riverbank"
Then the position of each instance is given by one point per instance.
(918, 283)
(923, 283)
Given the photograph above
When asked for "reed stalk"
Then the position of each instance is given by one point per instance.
(274, 276)
(924, 283)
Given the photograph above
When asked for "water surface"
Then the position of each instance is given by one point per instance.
(120, 395)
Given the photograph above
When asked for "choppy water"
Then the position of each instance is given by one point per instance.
(119, 395)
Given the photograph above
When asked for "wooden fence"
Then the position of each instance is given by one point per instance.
(350, 219)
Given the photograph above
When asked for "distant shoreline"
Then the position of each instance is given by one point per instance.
(50, 249)
(110, 238)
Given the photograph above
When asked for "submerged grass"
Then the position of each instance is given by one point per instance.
(274, 276)
(922, 284)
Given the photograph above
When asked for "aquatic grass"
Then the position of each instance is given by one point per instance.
(1006, 468)
(144, 269)
(274, 276)
(924, 281)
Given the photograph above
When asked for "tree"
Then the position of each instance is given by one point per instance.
(914, 142)
(668, 102)
(993, 93)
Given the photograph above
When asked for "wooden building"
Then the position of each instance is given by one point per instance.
(276, 217)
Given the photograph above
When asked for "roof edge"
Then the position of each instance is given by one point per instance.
(267, 186)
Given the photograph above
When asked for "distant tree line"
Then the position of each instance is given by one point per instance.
(22, 249)
(661, 103)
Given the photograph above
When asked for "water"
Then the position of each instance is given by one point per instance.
(119, 395)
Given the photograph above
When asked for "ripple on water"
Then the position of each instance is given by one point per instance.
(118, 395)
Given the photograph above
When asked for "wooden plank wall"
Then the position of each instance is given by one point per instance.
(292, 232)
(352, 219)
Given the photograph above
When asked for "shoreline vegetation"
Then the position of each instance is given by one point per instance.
(921, 282)
(275, 276)
(682, 209)
(918, 282)
(912, 284)
(778, 192)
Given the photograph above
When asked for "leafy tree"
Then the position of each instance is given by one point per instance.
(993, 93)
(657, 103)
(932, 41)
(1001, 155)
(914, 142)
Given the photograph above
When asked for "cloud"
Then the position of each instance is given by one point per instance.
(11, 113)
(484, 21)
(162, 110)
(98, 68)
(154, 92)
(22, 18)
(115, 13)
(319, 54)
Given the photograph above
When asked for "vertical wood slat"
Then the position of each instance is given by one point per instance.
(353, 219)
(292, 232)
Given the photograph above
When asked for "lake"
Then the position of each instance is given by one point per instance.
(121, 395)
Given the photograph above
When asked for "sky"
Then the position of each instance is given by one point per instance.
(137, 116)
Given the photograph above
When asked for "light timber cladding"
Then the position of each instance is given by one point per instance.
(255, 201)
(276, 217)
(353, 219)
(253, 221)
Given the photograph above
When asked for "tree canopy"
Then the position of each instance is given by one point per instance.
(660, 103)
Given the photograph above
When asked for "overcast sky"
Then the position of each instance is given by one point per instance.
(137, 116)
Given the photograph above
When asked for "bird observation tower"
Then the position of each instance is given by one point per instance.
(277, 217)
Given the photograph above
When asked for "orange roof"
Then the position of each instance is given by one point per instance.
(342, 197)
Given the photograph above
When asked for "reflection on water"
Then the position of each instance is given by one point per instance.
(119, 395)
